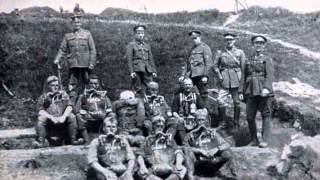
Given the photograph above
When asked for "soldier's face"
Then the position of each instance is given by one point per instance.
(153, 91)
(94, 83)
(196, 39)
(230, 42)
(202, 121)
(76, 24)
(159, 127)
(53, 86)
(187, 85)
(258, 46)
(110, 127)
(140, 35)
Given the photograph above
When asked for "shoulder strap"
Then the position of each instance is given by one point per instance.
(233, 57)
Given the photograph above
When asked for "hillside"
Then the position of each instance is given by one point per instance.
(301, 29)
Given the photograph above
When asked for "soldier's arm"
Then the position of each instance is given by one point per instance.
(207, 54)
(222, 144)
(63, 50)
(92, 157)
(269, 74)
(176, 103)
(130, 155)
(243, 78)
(216, 64)
(42, 108)
(69, 107)
(152, 60)
(129, 56)
(93, 52)
(108, 105)
(78, 104)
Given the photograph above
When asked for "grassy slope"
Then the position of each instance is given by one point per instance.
(301, 29)
(28, 47)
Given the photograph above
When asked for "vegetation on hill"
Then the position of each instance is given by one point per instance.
(301, 29)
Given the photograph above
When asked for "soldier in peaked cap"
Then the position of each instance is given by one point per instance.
(198, 64)
(79, 50)
(256, 88)
(140, 60)
(227, 66)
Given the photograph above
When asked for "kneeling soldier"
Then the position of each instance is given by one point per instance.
(92, 107)
(110, 155)
(131, 114)
(161, 159)
(205, 146)
(55, 110)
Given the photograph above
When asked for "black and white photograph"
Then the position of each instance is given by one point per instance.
(159, 90)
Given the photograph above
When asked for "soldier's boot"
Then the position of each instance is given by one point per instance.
(40, 143)
(237, 116)
(222, 117)
(265, 131)
(85, 135)
(253, 132)
(173, 177)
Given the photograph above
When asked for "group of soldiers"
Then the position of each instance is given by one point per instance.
(141, 136)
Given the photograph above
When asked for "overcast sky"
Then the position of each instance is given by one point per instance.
(159, 6)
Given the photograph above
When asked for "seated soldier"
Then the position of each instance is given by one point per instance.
(155, 104)
(161, 158)
(110, 155)
(131, 114)
(55, 111)
(185, 105)
(92, 107)
(204, 147)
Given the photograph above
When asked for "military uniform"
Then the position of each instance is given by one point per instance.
(92, 106)
(258, 75)
(227, 66)
(140, 60)
(131, 115)
(198, 66)
(206, 140)
(112, 155)
(55, 104)
(184, 106)
(79, 50)
(160, 153)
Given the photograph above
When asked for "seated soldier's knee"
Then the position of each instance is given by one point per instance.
(42, 120)
(226, 155)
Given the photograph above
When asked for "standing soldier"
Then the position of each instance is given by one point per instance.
(227, 66)
(198, 64)
(256, 88)
(140, 60)
(79, 50)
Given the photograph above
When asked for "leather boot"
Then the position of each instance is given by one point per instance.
(237, 116)
(222, 117)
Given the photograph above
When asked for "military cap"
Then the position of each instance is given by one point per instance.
(139, 27)
(51, 79)
(158, 118)
(126, 95)
(111, 117)
(229, 36)
(75, 16)
(201, 113)
(153, 85)
(259, 38)
(93, 76)
(195, 33)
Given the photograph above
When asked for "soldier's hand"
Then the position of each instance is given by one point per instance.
(154, 75)
(220, 78)
(212, 152)
(91, 67)
(204, 79)
(133, 75)
(109, 174)
(181, 78)
(241, 96)
(265, 92)
(56, 61)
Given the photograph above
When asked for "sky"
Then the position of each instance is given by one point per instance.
(160, 6)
